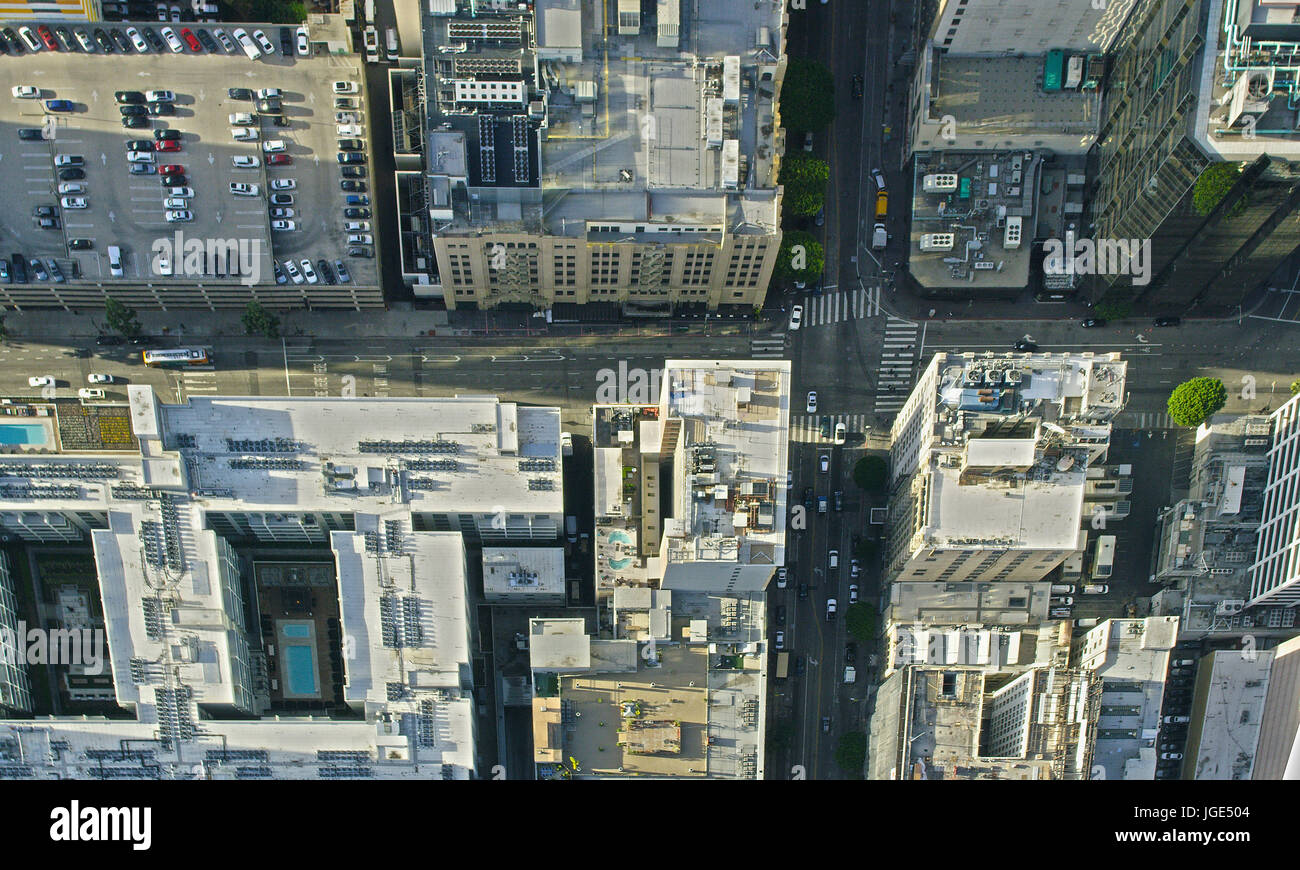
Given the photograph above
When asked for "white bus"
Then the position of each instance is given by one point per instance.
(1104, 560)
(390, 38)
(176, 356)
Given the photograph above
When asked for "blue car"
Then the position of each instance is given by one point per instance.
(358, 199)
(58, 105)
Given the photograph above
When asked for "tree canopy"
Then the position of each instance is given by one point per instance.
(870, 473)
(258, 321)
(1193, 402)
(807, 96)
(119, 318)
(795, 245)
(1213, 185)
(804, 178)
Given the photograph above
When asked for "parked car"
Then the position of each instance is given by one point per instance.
(283, 225)
(244, 161)
(1092, 322)
(99, 379)
(831, 606)
(239, 188)
(780, 639)
(1167, 321)
(812, 402)
(41, 381)
(90, 393)
(26, 92)
(853, 593)
(282, 184)
(1026, 345)
(341, 269)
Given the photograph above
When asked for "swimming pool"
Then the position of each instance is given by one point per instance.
(619, 537)
(295, 629)
(300, 670)
(21, 433)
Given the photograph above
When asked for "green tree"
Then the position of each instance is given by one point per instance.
(257, 320)
(1295, 385)
(264, 11)
(1195, 401)
(780, 735)
(860, 620)
(1117, 310)
(870, 473)
(807, 96)
(865, 549)
(851, 753)
(799, 245)
(1213, 185)
(119, 318)
(804, 178)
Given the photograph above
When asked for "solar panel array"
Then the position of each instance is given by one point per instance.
(38, 492)
(264, 464)
(76, 470)
(432, 465)
(408, 446)
(263, 445)
(519, 139)
(487, 149)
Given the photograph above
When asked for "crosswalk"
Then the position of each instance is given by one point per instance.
(841, 305)
(1144, 420)
(897, 363)
(198, 381)
(806, 428)
(772, 347)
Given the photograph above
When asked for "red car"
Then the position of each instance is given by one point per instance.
(171, 169)
(278, 160)
(191, 40)
(167, 145)
(47, 38)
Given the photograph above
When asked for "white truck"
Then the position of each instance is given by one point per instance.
(372, 45)
(879, 238)
(850, 674)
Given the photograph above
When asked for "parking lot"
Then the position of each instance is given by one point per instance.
(127, 210)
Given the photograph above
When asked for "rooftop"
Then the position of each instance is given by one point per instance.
(565, 126)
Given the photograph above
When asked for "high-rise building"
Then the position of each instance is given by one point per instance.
(628, 164)
(1275, 575)
(989, 460)
(1001, 27)
(15, 688)
(262, 560)
(670, 680)
(1198, 150)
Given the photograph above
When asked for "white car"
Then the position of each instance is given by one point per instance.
(830, 608)
(291, 269)
(244, 161)
(879, 178)
(782, 578)
(246, 43)
(303, 46)
(263, 42)
(26, 92)
(812, 401)
(269, 93)
(99, 379)
(173, 41)
(183, 192)
(853, 593)
(283, 184)
(350, 130)
(361, 239)
(30, 38)
(160, 96)
(278, 212)
(72, 187)
(357, 226)
(137, 40)
(275, 146)
(825, 463)
(180, 216)
(841, 433)
(243, 134)
(346, 87)
(796, 317)
(90, 393)
(312, 277)
(40, 382)
(239, 188)
(74, 202)
(224, 40)
(347, 118)
(84, 40)
(139, 157)
(163, 266)
(176, 202)
(287, 226)
(175, 13)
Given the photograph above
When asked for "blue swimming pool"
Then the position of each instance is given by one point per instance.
(619, 537)
(21, 433)
(296, 629)
(300, 664)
